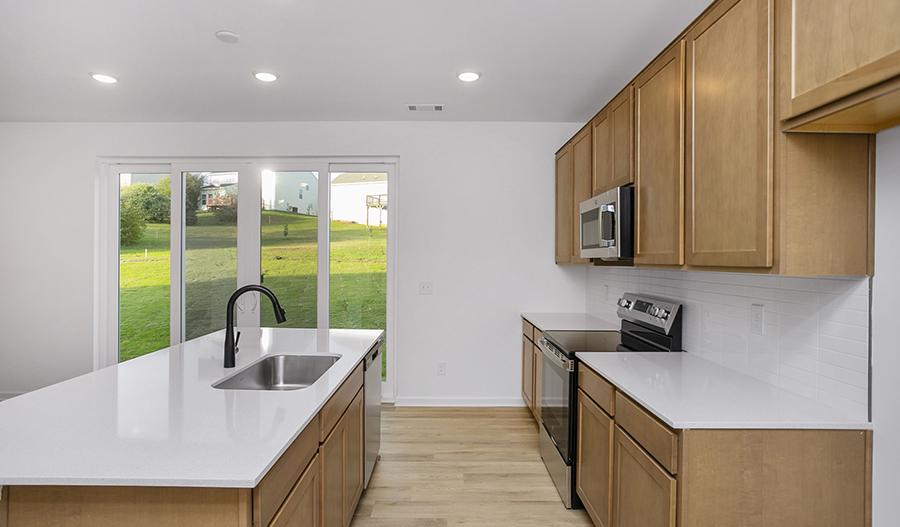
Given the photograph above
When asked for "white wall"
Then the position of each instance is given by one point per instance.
(491, 263)
(816, 330)
(885, 347)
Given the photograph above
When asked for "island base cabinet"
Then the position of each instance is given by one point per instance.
(301, 509)
(70, 506)
(644, 494)
(341, 470)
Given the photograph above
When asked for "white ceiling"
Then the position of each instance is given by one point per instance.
(338, 60)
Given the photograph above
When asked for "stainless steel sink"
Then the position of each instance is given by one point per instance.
(279, 372)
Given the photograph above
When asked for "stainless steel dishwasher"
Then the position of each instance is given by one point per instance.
(373, 408)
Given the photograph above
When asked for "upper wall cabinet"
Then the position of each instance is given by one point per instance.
(729, 199)
(581, 187)
(614, 143)
(841, 48)
(564, 205)
(659, 160)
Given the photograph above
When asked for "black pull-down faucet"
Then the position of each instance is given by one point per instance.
(230, 341)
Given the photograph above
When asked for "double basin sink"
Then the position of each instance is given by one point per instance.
(279, 372)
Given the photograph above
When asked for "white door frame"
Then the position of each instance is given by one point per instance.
(106, 237)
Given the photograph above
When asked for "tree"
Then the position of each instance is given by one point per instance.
(131, 223)
(148, 199)
(193, 184)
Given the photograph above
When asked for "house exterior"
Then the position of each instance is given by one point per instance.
(360, 198)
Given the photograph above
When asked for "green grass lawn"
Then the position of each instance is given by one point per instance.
(357, 281)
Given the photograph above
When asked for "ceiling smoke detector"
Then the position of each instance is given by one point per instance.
(426, 107)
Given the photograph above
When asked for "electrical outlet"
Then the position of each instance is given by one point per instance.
(442, 368)
(757, 319)
(424, 288)
(605, 292)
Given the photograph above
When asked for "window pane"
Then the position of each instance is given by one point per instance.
(358, 251)
(210, 249)
(143, 264)
(289, 234)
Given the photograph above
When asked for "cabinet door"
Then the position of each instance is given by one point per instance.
(538, 372)
(838, 47)
(622, 115)
(527, 372)
(581, 188)
(643, 492)
(341, 471)
(729, 144)
(564, 206)
(659, 160)
(301, 508)
(602, 126)
(593, 460)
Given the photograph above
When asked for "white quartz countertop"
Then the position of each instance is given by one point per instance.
(157, 420)
(569, 322)
(687, 391)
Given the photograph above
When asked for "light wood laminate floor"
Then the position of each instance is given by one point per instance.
(461, 466)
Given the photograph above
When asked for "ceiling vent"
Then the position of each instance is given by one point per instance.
(426, 107)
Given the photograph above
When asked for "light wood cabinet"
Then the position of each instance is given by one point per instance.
(644, 494)
(527, 372)
(659, 160)
(564, 205)
(837, 48)
(729, 196)
(634, 471)
(301, 508)
(581, 187)
(532, 367)
(613, 138)
(341, 472)
(593, 460)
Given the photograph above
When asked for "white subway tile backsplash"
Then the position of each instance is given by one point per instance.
(816, 341)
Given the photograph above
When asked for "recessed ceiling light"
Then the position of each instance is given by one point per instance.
(469, 76)
(99, 77)
(264, 76)
(229, 37)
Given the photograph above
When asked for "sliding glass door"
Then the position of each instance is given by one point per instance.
(218, 226)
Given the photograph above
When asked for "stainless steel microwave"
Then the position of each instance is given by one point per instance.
(607, 225)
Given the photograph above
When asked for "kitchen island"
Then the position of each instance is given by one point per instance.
(152, 436)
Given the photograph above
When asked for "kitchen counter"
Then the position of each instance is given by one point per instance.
(157, 420)
(688, 392)
(569, 322)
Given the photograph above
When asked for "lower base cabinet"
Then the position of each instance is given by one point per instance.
(643, 492)
(634, 471)
(301, 508)
(341, 472)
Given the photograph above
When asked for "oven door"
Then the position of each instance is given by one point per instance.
(557, 385)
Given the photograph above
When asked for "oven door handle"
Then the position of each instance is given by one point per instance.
(555, 356)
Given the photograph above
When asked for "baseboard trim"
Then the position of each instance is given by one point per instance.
(459, 401)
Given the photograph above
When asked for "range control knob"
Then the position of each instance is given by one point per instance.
(663, 314)
(653, 311)
(624, 303)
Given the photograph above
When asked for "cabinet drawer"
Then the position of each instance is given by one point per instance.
(277, 483)
(596, 387)
(334, 408)
(538, 334)
(527, 329)
(656, 438)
